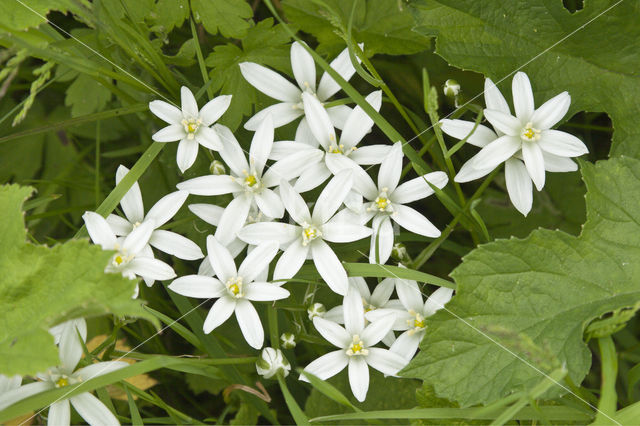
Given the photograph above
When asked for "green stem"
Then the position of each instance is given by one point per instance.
(607, 405)
(203, 67)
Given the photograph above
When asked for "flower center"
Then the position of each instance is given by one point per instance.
(309, 233)
(234, 287)
(62, 381)
(339, 149)
(121, 258)
(529, 133)
(416, 323)
(357, 347)
(382, 202)
(251, 181)
(191, 126)
(368, 306)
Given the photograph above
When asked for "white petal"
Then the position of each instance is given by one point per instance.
(409, 294)
(418, 188)
(496, 152)
(562, 144)
(359, 123)
(269, 203)
(361, 285)
(353, 312)
(269, 82)
(189, 104)
(282, 113)
(219, 313)
(231, 153)
(294, 203)
(551, 111)
(532, 156)
(250, 324)
(460, 129)
(176, 245)
(304, 69)
(283, 149)
(293, 166)
(233, 219)
(70, 348)
(209, 138)
(343, 66)
(198, 286)
(406, 345)
(338, 115)
(165, 111)
(304, 135)
(256, 233)
(14, 395)
(265, 292)
(399, 312)
(319, 121)
(415, 222)
(332, 332)
(362, 182)
(337, 231)
(493, 98)
(385, 361)
(119, 225)
(261, 144)
(469, 172)
(335, 314)
(370, 154)
(522, 96)
(187, 153)
(506, 123)
(139, 237)
(518, 185)
(381, 240)
(437, 300)
(332, 196)
(99, 230)
(59, 413)
(92, 410)
(257, 260)
(221, 259)
(167, 207)
(210, 213)
(131, 203)
(213, 110)
(171, 133)
(329, 267)
(382, 292)
(151, 269)
(210, 185)
(390, 169)
(9, 383)
(359, 377)
(312, 177)
(99, 369)
(376, 330)
(291, 260)
(554, 163)
(328, 365)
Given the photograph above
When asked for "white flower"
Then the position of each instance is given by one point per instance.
(525, 142)
(272, 362)
(412, 317)
(250, 182)
(277, 87)
(234, 288)
(386, 203)
(129, 260)
(190, 126)
(335, 154)
(356, 347)
(92, 410)
(288, 340)
(165, 241)
(308, 235)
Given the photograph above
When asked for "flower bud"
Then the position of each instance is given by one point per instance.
(451, 88)
(288, 340)
(400, 253)
(316, 310)
(272, 362)
(217, 168)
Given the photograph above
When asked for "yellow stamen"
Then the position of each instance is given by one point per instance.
(250, 180)
(62, 381)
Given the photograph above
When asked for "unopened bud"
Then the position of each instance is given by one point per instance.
(451, 88)
(272, 362)
(288, 340)
(316, 310)
(217, 168)
(400, 253)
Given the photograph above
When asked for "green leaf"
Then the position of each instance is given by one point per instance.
(171, 13)
(85, 96)
(544, 289)
(20, 15)
(41, 286)
(229, 17)
(264, 44)
(498, 37)
(384, 26)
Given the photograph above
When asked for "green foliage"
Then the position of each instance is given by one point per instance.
(41, 286)
(85, 95)
(229, 17)
(20, 15)
(384, 26)
(547, 287)
(496, 38)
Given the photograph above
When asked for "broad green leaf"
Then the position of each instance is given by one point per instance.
(85, 96)
(598, 64)
(41, 286)
(171, 13)
(384, 26)
(23, 14)
(229, 17)
(536, 296)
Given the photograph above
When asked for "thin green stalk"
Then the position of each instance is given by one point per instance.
(607, 405)
(97, 166)
(203, 67)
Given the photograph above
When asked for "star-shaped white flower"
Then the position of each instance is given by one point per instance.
(234, 288)
(526, 142)
(411, 319)
(190, 126)
(356, 347)
(308, 235)
(90, 408)
(277, 87)
(250, 182)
